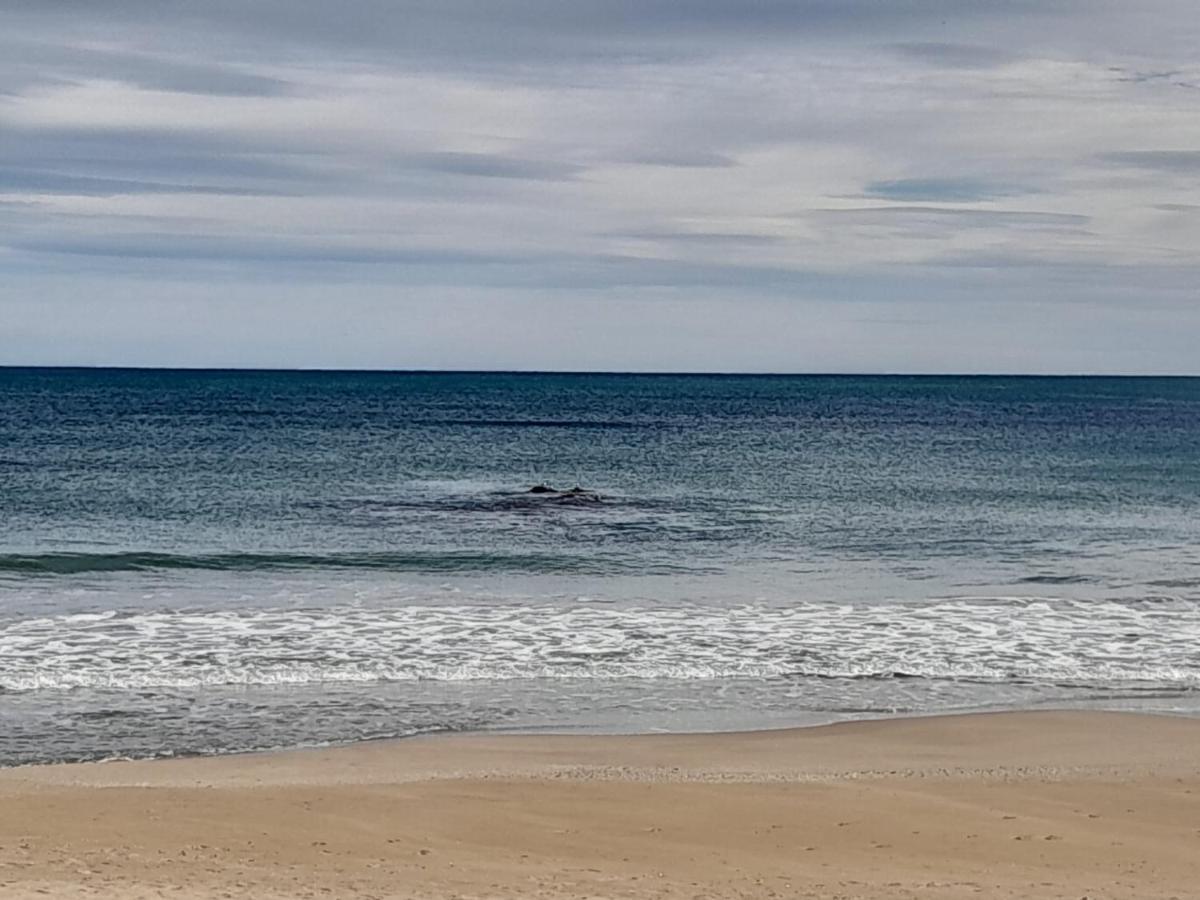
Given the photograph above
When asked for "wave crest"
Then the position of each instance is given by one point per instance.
(1097, 643)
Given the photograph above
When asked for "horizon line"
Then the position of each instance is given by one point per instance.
(683, 373)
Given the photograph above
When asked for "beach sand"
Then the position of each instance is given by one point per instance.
(1028, 805)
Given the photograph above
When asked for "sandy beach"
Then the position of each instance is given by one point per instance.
(1037, 804)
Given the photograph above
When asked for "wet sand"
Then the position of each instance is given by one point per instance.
(1020, 805)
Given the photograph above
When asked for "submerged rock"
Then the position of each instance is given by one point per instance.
(576, 494)
(581, 495)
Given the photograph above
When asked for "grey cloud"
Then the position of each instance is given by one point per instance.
(605, 271)
(617, 15)
(493, 165)
(714, 238)
(63, 142)
(558, 271)
(901, 322)
(1171, 77)
(1132, 75)
(536, 31)
(1014, 263)
(156, 73)
(41, 182)
(29, 63)
(954, 56)
(123, 162)
(1010, 276)
(964, 189)
(108, 162)
(1176, 161)
(682, 159)
(981, 218)
(281, 165)
(935, 225)
(171, 154)
(223, 248)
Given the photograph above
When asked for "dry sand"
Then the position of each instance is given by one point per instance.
(1029, 805)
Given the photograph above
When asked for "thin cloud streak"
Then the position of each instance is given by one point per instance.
(1175, 161)
(25, 181)
(961, 189)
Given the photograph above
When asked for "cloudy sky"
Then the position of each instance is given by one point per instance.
(729, 185)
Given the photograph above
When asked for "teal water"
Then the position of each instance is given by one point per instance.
(196, 562)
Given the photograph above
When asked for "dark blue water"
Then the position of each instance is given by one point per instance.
(210, 561)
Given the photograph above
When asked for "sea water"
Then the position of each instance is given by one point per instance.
(204, 562)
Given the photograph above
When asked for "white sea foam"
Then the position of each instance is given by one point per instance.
(989, 639)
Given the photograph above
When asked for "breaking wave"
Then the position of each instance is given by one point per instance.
(1052, 641)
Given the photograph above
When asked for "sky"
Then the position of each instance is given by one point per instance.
(634, 185)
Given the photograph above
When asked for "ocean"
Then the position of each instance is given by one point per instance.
(207, 562)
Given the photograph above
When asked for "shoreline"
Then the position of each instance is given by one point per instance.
(601, 734)
(549, 731)
(817, 752)
(1038, 804)
(413, 757)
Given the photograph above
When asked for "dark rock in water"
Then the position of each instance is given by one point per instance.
(579, 495)
(574, 495)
